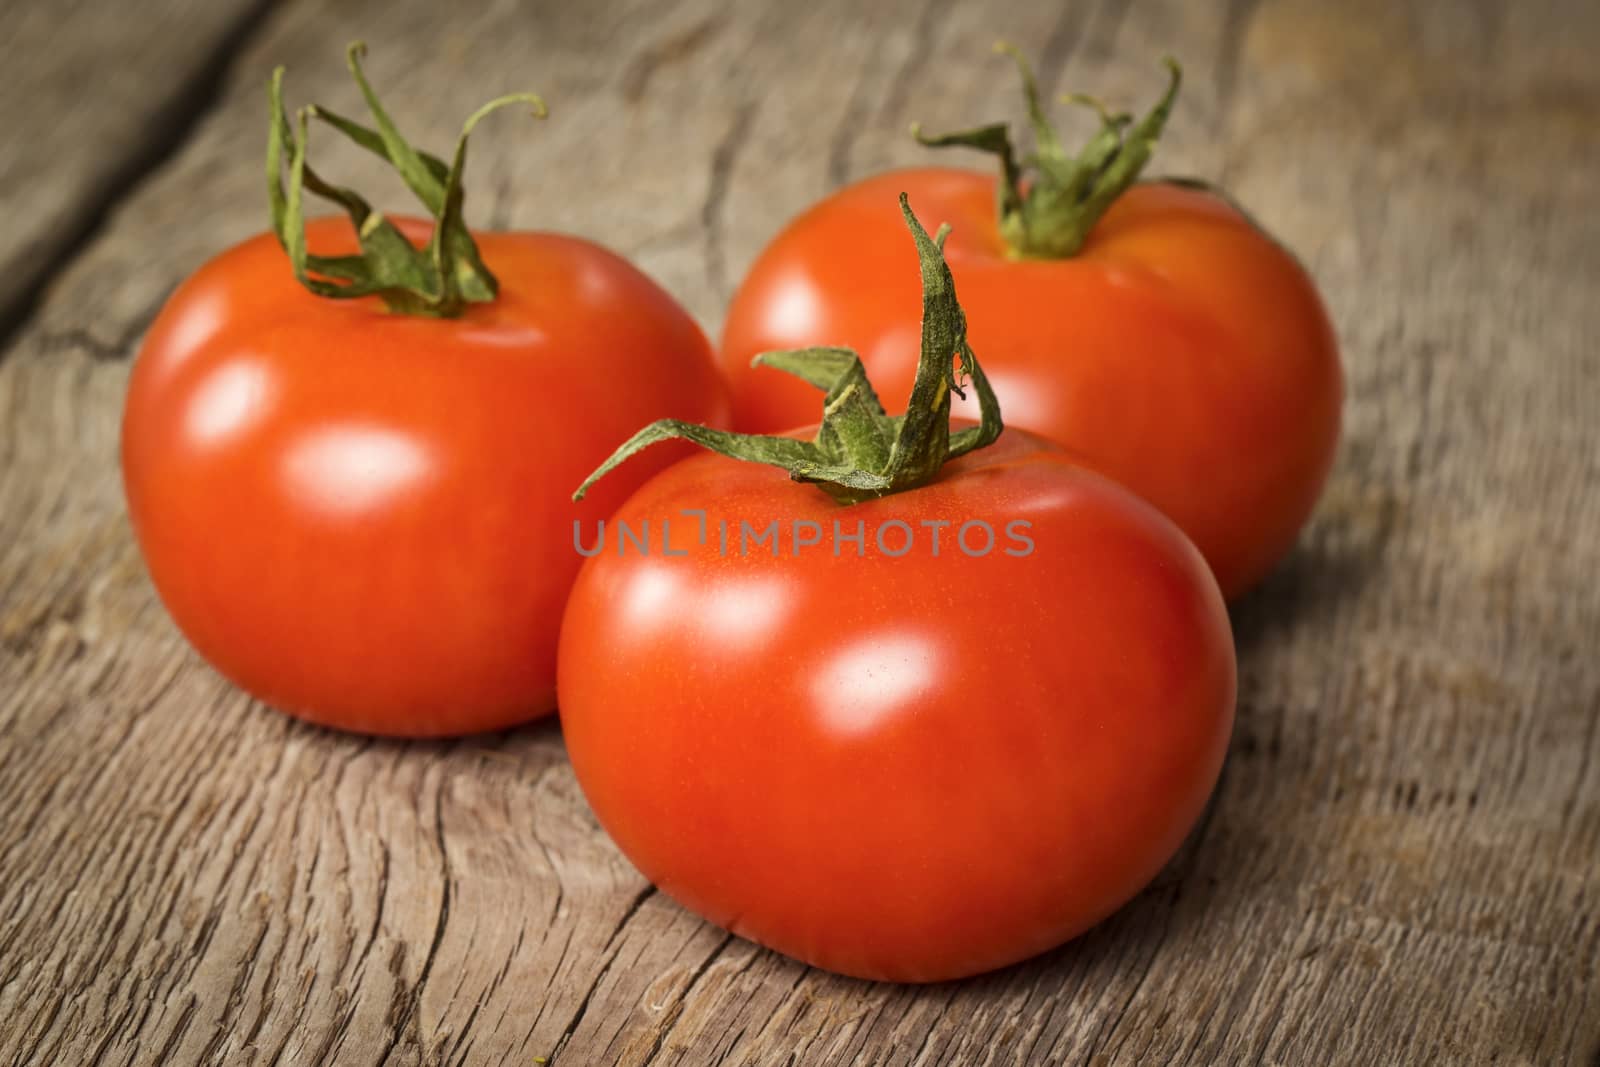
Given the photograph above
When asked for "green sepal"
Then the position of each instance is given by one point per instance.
(994, 139)
(1049, 213)
(860, 452)
(854, 425)
(439, 279)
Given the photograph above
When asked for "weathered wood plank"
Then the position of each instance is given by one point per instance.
(93, 93)
(1403, 860)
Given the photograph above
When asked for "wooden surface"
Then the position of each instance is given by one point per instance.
(82, 119)
(1402, 862)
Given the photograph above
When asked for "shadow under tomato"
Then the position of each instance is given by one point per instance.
(1339, 556)
(1308, 588)
(532, 745)
(1075, 973)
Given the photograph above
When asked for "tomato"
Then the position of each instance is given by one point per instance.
(362, 517)
(1179, 350)
(935, 750)
(910, 768)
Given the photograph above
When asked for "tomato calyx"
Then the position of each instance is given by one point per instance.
(437, 280)
(859, 451)
(1048, 213)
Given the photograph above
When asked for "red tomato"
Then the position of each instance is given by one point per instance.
(910, 767)
(363, 517)
(1181, 351)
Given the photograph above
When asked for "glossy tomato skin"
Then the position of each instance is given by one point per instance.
(907, 769)
(1182, 352)
(362, 518)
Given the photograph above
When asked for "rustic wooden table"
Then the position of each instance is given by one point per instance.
(1402, 862)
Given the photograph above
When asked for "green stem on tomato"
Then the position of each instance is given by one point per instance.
(860, 452)
(438, 280)
(1047, 214)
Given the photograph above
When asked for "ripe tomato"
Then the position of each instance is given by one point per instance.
(1180, 350)
(910, 768)
(361, 516)
(934, 751)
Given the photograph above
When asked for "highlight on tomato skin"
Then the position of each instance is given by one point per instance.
(907, 699)
(348, 471)
(1149, 326)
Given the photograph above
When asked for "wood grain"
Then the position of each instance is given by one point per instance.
(1402, 863)
(96, 94)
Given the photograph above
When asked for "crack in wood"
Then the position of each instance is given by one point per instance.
(411, 999)
(674, 48)
(723, 159)
(663, 1032)
(168, 133)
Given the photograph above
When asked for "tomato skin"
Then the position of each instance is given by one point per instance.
(362, 518)
(1182, 352)
(906, 769)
